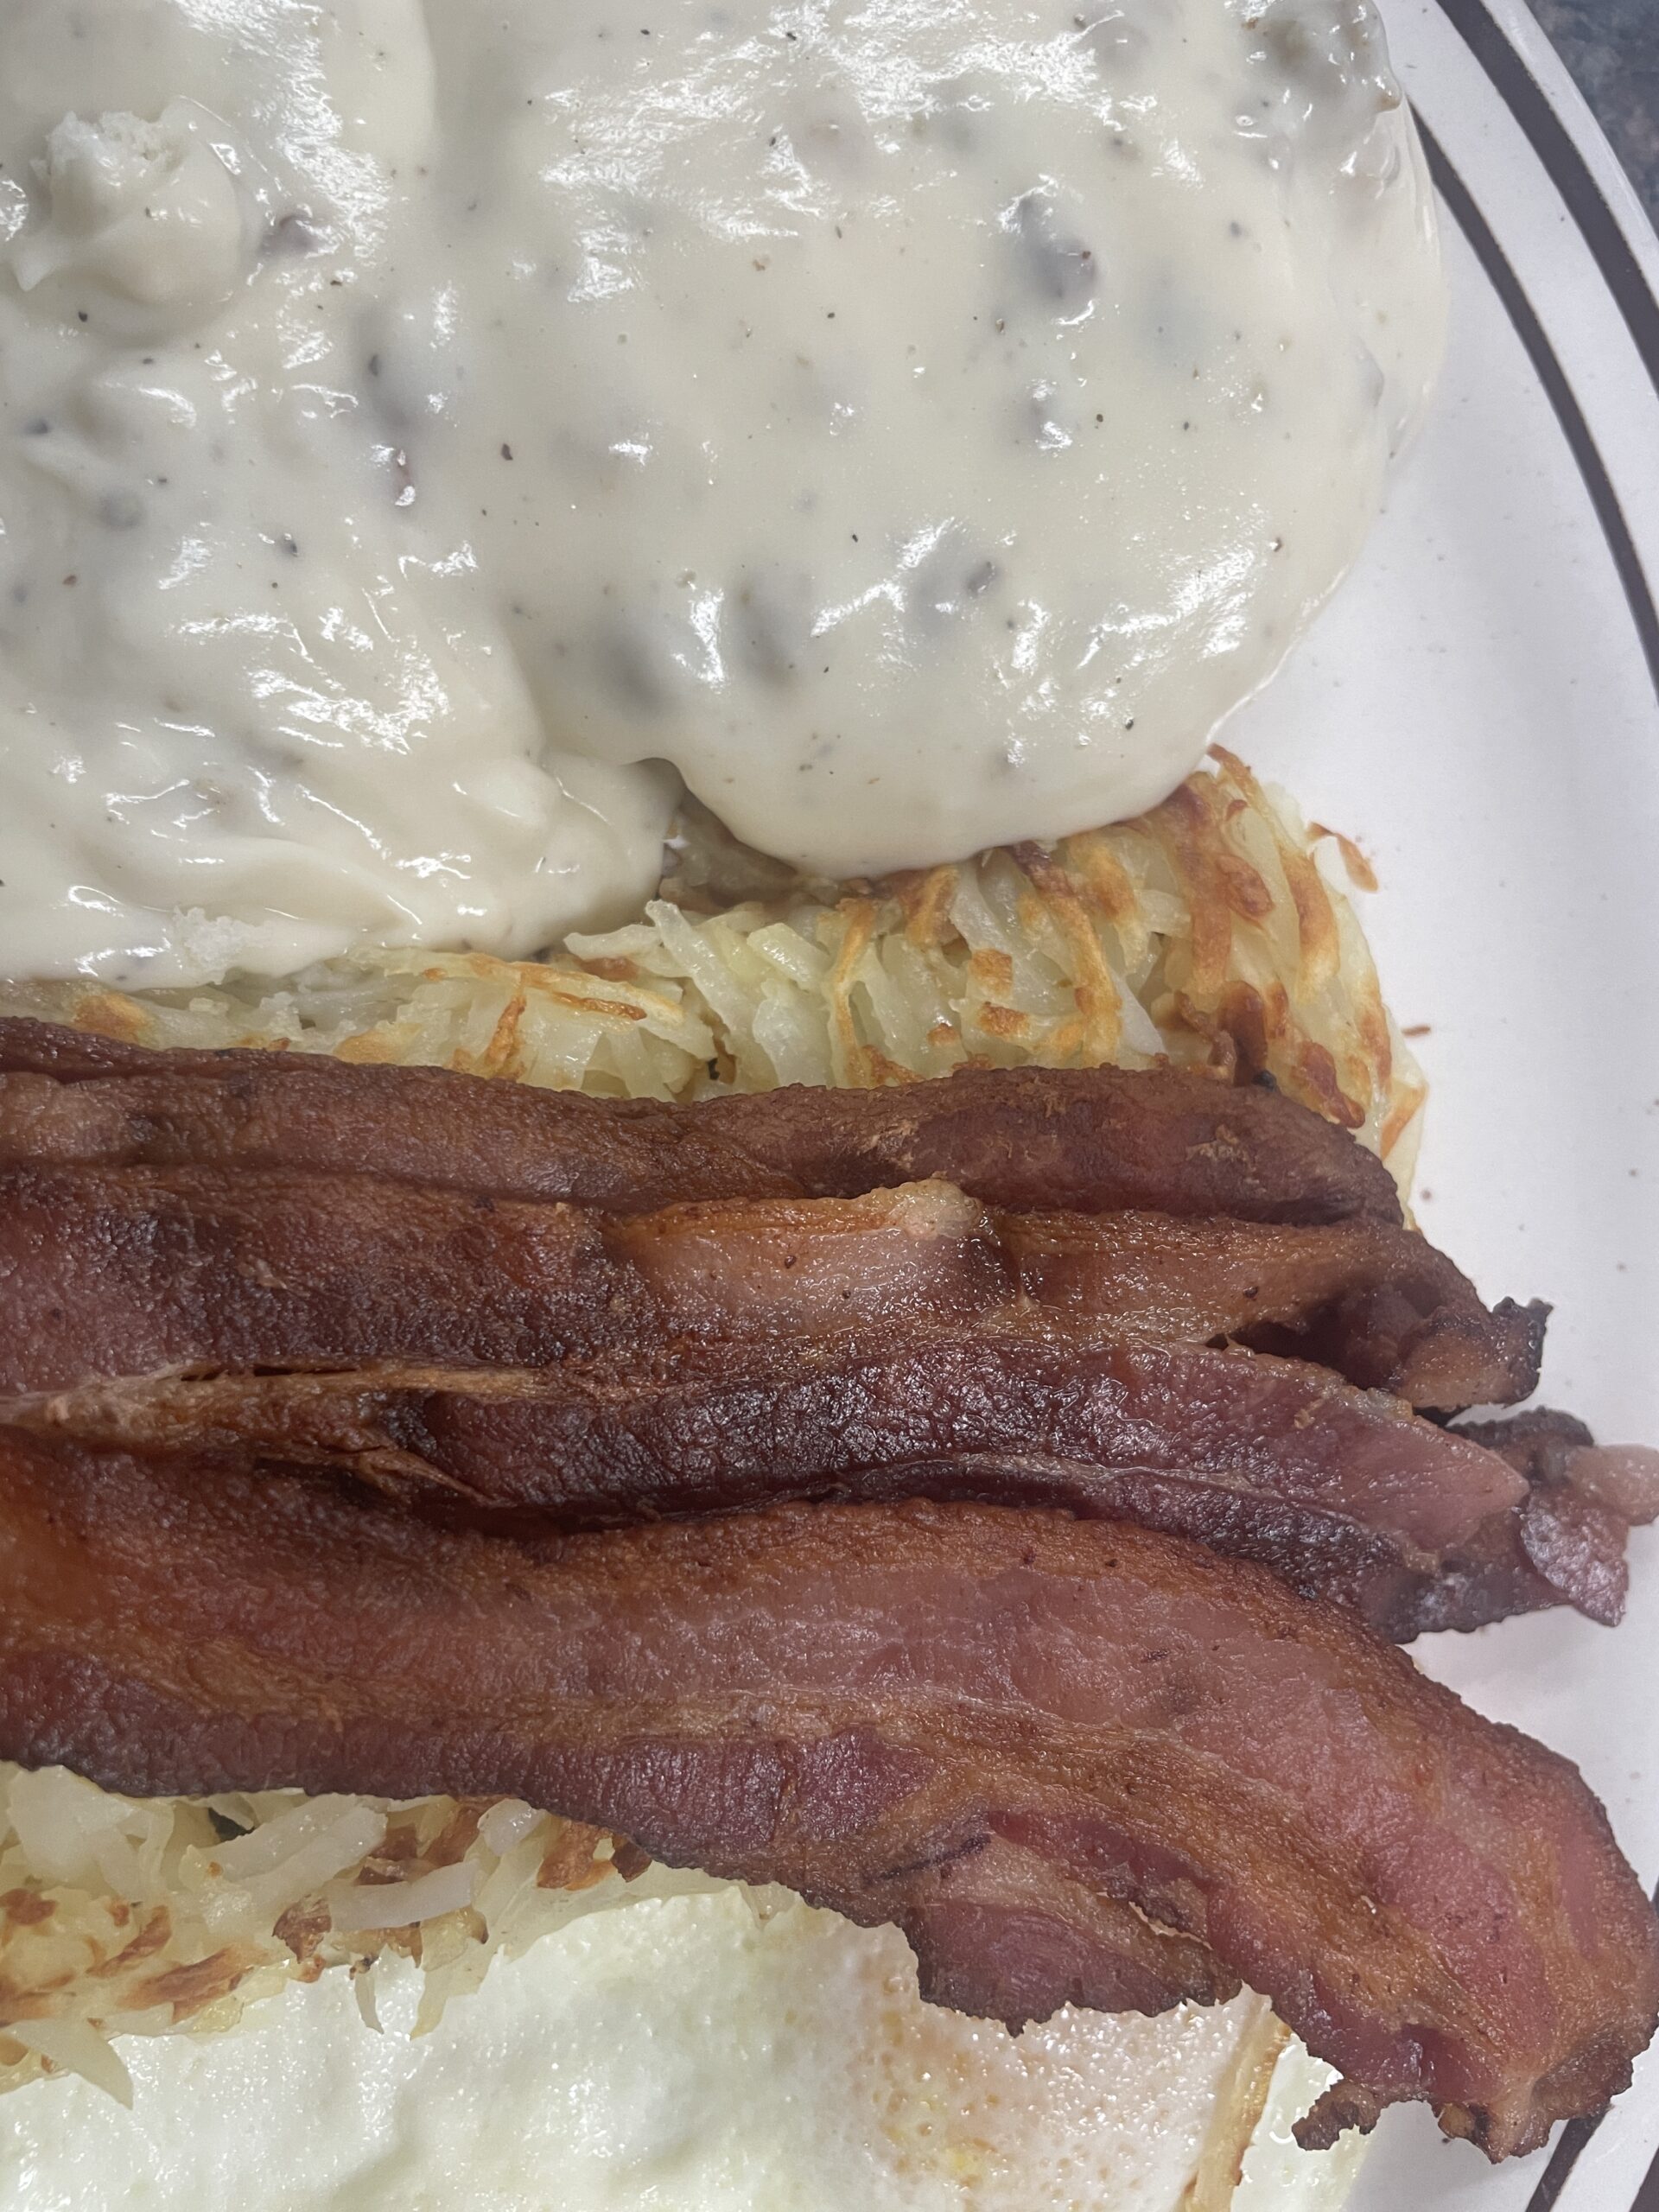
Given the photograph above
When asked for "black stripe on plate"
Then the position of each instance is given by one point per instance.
(1523, 316)
(1564, 163)
(1568, 171)
(1556, 2175)
(1569, 2146)
(1647, 2196)
(1569, 413)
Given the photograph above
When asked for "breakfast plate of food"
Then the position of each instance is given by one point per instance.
(828, 1151)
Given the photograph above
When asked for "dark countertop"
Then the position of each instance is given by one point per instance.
(1612, 48)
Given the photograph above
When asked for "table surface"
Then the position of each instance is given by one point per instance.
(1612, 48)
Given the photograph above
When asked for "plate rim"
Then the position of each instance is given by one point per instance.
(1529, 80)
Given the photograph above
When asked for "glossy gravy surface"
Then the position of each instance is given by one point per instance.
(918, 422)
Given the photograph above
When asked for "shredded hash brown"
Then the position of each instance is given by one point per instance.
(1213, 932)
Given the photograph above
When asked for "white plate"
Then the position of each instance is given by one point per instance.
(1481, 707)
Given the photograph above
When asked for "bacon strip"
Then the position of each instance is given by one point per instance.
(952, 1718)
(1162, 1140)
(1345, 1494)
(136, 1272)
(128, 1270)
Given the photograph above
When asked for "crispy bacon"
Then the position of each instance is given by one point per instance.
(128, 1270)
(1162, 1140)
(1088, 1327)
(1583, 1500)
(1555, 1452)
(1009, 1733)
(1344, 1493)
(1379, 1305)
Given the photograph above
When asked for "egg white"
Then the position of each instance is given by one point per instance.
(697, 2054)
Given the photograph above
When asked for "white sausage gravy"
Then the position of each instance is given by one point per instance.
(918, 422)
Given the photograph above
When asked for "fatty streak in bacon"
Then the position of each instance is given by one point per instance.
(128, 1270)
(1555, 1452)
(1344, 1493)
(1159, 1140)
(1583, 1499)
(953, 1718)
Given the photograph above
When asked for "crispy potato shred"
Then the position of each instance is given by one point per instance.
(143, 1916)
(1214, 932)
